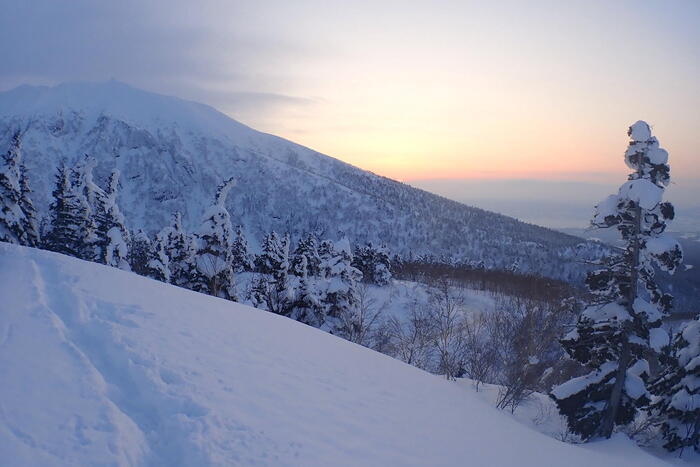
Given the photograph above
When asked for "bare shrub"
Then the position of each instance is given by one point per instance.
(445, 311)
(410, 339)
(479, 356)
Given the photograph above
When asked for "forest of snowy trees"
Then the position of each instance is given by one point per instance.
(606, 383)
(315, 282)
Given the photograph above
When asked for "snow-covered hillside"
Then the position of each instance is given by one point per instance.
(172, 154)
(103, 367)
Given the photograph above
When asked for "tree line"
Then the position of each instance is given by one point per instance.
(315, 283)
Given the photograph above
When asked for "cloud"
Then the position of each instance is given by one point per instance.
(204, 51)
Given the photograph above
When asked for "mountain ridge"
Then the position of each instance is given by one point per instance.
(173, 152)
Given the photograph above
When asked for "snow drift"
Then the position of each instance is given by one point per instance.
(101, 366)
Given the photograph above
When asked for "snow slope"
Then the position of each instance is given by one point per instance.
(101, 366)
(172, 153)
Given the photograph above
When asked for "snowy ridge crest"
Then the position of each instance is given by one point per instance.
(173, 153)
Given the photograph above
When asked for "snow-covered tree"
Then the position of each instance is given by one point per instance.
(70, 225)
(112, 237)
(306, 252)
(374, 264)
(308, 307)
(180, 250)
(157, 266)
(214, 241)
(340, 294)
(678, 390)
(326, 253)
(17, 215)
(85, 197)
(272, 290)
(274, 255)
(31, 227)
(139, 252)
(241, 256)
(622, 325)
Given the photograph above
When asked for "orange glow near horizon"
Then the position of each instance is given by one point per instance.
(407, 89)
(494, 91)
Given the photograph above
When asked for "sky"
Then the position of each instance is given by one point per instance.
(503, 96)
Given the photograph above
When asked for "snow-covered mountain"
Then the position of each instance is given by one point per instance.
(172, 154)
(104, 367)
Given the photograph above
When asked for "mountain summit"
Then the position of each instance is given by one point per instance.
(172, 153)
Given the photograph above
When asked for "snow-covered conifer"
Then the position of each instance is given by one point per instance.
(306, 252)
(272, 290)
(157, 266)
(374, 264)
(340, 295)
(180, 249)
(70, 226)
(326, 253)
(241, 256)
(85, 196)
(308, 307)
(139, 252)
(274, 254)
(111, 235)
(678, 390)
(214, 241)
(614, 334)
(15, 226)
(31, 224)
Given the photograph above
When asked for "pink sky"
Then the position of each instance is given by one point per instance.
(408, 89)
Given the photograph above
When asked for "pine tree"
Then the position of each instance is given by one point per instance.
(241, 257)
(274, 254)
(111, 235)
(15, 227)
(31, 224)
(612, 335)
(678, 391)
(69, 225)
(139, 252)
(85, 197)
(308, 307)
(157, 266)
(181, 253)
(326, 253)
(271, 290)
(214, 240)
(374, 264)
(307, 252)
(340, 295)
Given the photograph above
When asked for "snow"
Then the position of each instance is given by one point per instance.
(343, 245)
(642, 191)
(688, 356)
(641, 306)
(606, 208)
(662, 244)
(685, 402)
(657, 155)
(91, 100)
(634, 384)
(640, 131)
(607, 312)
(539, 413)
(101, 366)
(658, 338)
(576, 385)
